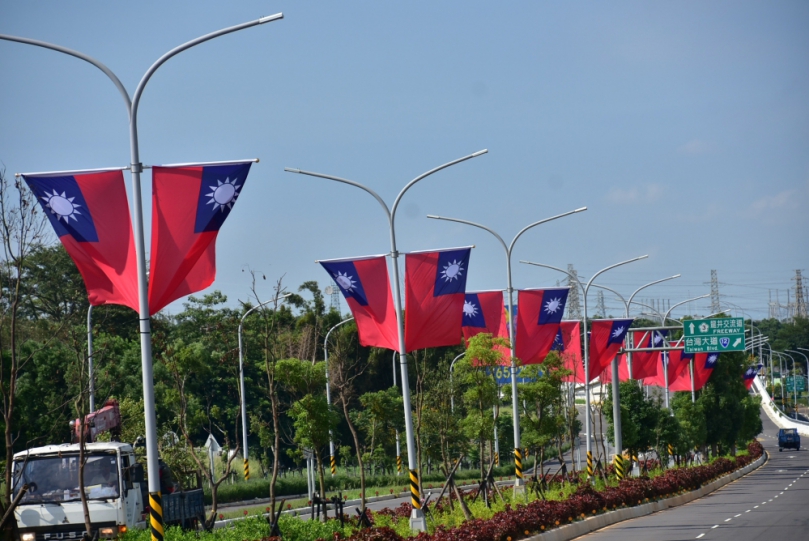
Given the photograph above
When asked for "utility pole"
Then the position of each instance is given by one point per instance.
(714, 293)
(573, 306)
(601, 310)
(800, 300)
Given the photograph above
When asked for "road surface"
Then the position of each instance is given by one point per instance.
(770, 503)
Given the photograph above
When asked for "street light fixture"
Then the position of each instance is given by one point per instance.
(417, 519)
(145, 331)
(241, 379)
(519, 485)
(332, 461)
(666, 357)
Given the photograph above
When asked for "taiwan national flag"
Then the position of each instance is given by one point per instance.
(435, 289)
(678, 365)
(703, 367)
(704, 363)
(539, 317)
(644, 363)
(606, 338)
(366, 288)
(749, 376)
(568, 344)
(189, 205)
(483, 312)
(90, 215)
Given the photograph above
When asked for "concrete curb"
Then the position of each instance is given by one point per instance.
(591, 524)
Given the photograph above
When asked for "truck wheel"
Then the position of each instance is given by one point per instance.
(779, 449)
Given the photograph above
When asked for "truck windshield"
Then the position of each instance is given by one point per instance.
(56, 479)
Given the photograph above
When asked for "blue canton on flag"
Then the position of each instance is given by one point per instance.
(450, 277)
(472, 312)
(219, 189)
(347, 279)
(710, 360)
(558, 342)
(618, 330)
(65, 207)
(553, 306)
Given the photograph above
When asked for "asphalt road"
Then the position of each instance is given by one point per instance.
(770, 503)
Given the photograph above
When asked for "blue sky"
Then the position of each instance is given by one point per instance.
(683, 126)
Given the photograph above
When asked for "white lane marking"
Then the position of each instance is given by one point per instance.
(714, 526)
(756, 507)
(747, 511)
(727, 520)
(737, 516)
(700, 535)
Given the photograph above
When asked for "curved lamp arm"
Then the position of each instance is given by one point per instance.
(680, 304)
(644, 287)
(58, 48)
(581, 286)
(345, 181)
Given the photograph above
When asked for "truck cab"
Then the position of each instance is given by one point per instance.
(788, 438)
(51, 509)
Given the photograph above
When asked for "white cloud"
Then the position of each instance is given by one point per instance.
(635, 195)
(695, 146)
(788, 199)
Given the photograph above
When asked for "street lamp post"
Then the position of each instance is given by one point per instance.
(519, 485)
(398, 445)
(150, 419)
(616, 403)
(417, 520)
(332, 460)
(451, 387)
(92, 385)
(666, 357)
(241, 381)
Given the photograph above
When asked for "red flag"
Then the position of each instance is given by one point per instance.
(189, 205)
(366, 288)
(748, 377)
(483, 312)
(435, 285)
(644, 363)
(539, 316)
(623, 371)
(571, 350)
(90, 215)
(606, 338)
(677, 368)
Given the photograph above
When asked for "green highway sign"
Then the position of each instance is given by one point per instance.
(715, 334)
(801, 384)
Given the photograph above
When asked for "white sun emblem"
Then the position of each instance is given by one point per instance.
(552, 306)
(62, 206)
(345, 281)
(712, 359)
(469, 309)
(619, 331)
(224, 194)
(452, 271)
(658, 338)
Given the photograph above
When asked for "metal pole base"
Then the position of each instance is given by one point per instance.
(418, 522)
(519, 487)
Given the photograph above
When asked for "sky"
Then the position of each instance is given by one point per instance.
(683, 127)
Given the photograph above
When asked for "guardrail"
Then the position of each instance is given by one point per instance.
(781, 419)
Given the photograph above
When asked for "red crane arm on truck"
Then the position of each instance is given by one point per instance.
(105, 419)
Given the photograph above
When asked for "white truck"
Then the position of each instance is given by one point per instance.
(51, 509)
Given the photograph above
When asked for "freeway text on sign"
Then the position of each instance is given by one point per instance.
(716, 334)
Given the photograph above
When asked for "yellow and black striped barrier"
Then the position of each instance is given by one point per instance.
(497, 459)
(333, 463)
(415, 497)
(518, 462)
(671, 450)
(620, 471)
(398, 464)
(590, 463)
(156, 516)
(246, 470)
